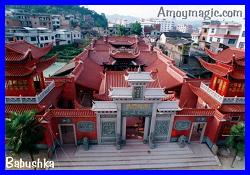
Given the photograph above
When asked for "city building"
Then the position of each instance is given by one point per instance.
(40, 37)
(64, 36)
(184, 28)
(220, 35)
(195, 37)
(241, 40)
(166, 25)
(121, 88)
(56, 21)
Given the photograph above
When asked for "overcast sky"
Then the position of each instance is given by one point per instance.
(151, 11)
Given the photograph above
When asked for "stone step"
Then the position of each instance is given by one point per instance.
(130, 149)
(110, 154)
(142, 166)
(134, 162)
(121, 158)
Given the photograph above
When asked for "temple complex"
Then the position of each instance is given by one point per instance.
(121, 88)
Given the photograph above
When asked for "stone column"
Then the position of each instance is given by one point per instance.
(170, 128)
(124, 123)
(118, 126)
(98, 128)
(152, 126)
(146, 129)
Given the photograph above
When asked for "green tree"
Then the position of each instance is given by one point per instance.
(236, 140)
(23, 132)
(136, 28)
(121, 30)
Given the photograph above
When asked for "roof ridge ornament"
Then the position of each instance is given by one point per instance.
(139, 69)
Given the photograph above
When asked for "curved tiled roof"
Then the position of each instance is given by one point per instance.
(21, 48)
(227, 55)
(87, 72)
(212, 103)
(216, 68)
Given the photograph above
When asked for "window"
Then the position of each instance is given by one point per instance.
(46, 37)
(68, 42)
(41, 38)
(41, 45)
(212, 31)
(243, 34)
(235, 118)
(205, 30)
(231, 41)
(210, 39)
(52, 37)
(68, 35)
(241, 45)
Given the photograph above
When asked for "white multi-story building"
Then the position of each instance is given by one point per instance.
(64, 36)
(184, 28)
(241, 39)
(37, 36)
(195, 37)
(166, 25)
(224, 33)
(56, 21)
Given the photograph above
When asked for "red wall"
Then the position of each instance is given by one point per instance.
(212, 130)
(75, 120)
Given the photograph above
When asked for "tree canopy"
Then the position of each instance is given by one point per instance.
(23, 132)
(136, 28)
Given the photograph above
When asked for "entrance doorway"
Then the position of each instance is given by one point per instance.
(197, 132)
(135, 127)
(67, 134)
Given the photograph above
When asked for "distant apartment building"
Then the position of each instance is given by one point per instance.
(12, 22)
(184, 28)
(176, 45)
(37, 36)
(175, 34)
(24, 18)
(64, 36)
(220, 35)
(56, 21)
(41, 20)
(166, 25)
(195, 37)
(241, 40)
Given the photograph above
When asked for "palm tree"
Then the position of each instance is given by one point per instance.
(236, 140)
(23, 132)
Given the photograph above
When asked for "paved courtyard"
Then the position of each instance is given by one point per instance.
(136, 155)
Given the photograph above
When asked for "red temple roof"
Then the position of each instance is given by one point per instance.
(18, 71)
(87, 72)
(18, 50)
(232, 108)
(116, 79)
(228, 55)
(205, 97)
(196, 112)
(238, 74)
(23, 107)
(218, 69)
(124, 55)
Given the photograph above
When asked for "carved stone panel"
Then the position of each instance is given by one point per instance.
(85, 126)
(108, 129)
(182, 125)
(161, 128)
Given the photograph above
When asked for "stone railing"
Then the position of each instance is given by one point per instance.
(221, 99)
(30, 99)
